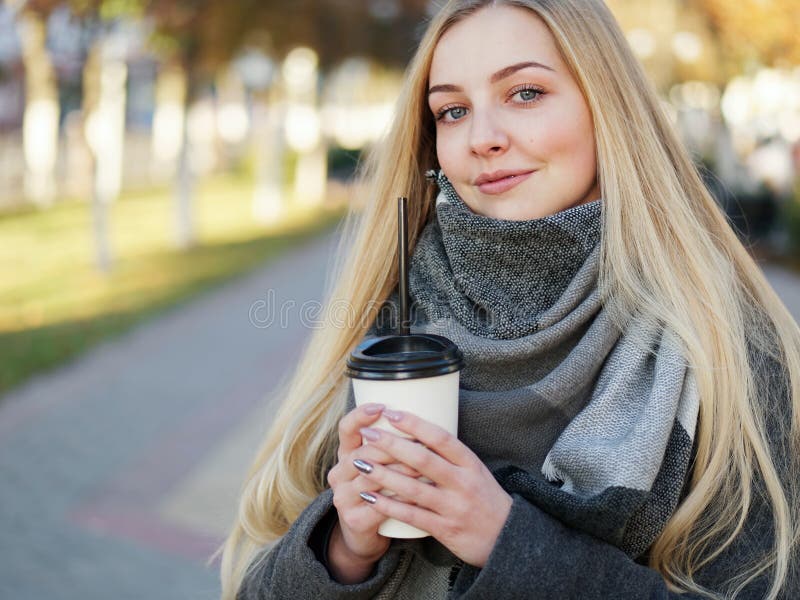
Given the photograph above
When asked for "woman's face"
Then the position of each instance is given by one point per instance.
(513, 131)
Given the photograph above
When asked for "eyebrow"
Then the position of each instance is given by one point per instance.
(498, 76)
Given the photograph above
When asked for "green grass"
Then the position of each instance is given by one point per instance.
(54, 303)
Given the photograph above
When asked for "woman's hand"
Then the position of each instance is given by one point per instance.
(355, 544)
(464, 508)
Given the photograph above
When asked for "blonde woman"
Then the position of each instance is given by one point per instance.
(628, 422)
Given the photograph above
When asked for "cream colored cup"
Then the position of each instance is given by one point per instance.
(416, 373)
(434, 399)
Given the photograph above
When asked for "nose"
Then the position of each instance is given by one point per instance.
(487, 135)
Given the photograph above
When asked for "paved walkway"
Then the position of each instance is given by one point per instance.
(120, 471)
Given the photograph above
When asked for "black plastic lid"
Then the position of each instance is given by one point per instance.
(404, 357)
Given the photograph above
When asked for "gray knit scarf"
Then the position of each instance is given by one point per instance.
(592, 424)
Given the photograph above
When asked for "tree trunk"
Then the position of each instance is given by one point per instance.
(184, 182)
(40, 119)
(303, 127)
(268, 196)
(105, 75)
(168, 121)
(311, 176)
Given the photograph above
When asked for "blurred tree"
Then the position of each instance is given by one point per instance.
(193, 38)
(754, 31)
(709, 40)
(103, 108)
(41, 113)
(41, 118)
(385, 30)
(196, 38)
(199, 37)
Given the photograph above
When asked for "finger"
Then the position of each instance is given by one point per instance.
(417, 456)
(374, 455)
(349, 425)
(345, 470)
(416, 516)
(434, 437)
(398, 497)
(421, 493)
(404, 469)
(360, 518)
(347, 495)
(362, 483)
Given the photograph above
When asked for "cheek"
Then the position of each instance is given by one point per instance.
(571, 140)
(585, 156)
(447, 152)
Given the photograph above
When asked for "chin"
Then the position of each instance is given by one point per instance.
(515, 210)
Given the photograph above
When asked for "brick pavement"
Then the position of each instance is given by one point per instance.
(120, 471)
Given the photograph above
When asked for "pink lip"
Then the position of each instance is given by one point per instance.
(500, 181)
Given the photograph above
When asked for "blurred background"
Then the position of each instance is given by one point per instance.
(172, 173)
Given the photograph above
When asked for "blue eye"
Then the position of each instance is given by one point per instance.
(527, 95)
(453, 113)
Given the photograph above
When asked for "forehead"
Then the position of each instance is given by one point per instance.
(490, 39)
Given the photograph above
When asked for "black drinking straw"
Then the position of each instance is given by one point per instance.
(402, 251)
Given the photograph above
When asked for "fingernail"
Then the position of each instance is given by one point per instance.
(367, 497)
(392, 415)
(373, 409)
(362, 466)
(371, 434)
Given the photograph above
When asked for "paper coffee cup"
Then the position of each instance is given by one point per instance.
(416, 373)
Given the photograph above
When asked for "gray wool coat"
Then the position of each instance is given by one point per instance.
(535, 556)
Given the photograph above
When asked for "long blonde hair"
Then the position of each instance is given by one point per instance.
(667, 254)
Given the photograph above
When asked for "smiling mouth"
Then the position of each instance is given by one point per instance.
(497, 185)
